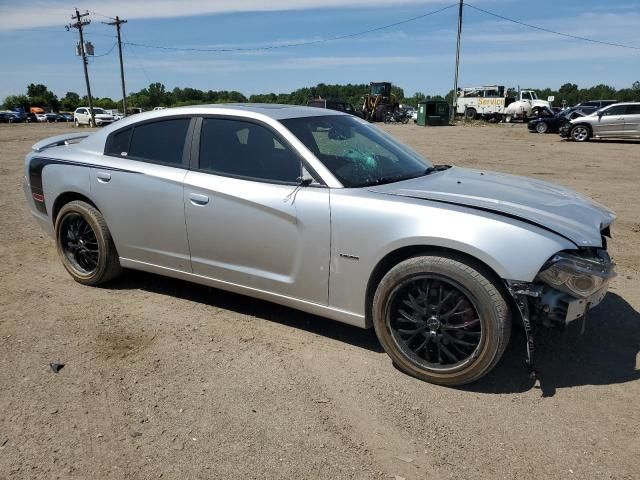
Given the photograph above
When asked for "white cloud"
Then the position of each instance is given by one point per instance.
(40, 14)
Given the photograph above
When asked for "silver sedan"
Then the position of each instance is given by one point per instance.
(324, 212)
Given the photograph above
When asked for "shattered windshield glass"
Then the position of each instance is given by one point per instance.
(357, 153)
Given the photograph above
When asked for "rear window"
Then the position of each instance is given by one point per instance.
(161, 142)
(119, 143)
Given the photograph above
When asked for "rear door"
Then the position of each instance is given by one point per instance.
(249, 221)
(611, 122)
(632, 120)
(141, 196)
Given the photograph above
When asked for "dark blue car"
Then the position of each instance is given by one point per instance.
(551, 123)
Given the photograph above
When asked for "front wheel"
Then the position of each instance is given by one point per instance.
(441, 320)
(580, 133)
(85, 245)
(542, 127)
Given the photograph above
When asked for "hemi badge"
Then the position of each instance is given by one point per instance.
(38, 197)
(352, 257)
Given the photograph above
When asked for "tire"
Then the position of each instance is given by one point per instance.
(458, 351)
(73, 238)
(580, 133)
(91, 125)
(542, 127)
(76, 123)
(508, 118)
(470, 114)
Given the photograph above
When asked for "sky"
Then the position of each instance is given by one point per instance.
(418, 56)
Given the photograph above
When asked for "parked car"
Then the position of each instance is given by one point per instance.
(548, 123)
(11, 117)
(65, 117)
(597, 103)
(31, 118)
(115, 113)
(42, 117)
(620, 120)
(81, 116)
(7, 117)
(323, 212)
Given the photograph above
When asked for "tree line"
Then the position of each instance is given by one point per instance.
(156, 95)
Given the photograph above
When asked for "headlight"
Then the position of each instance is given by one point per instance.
(578, 276)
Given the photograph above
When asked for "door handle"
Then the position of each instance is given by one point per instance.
(103, 177)
(198, 199)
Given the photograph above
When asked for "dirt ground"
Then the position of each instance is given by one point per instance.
(167, 379)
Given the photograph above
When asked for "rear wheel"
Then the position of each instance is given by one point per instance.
(542, 127)
(470, 113)
(76, 123)
(580, 133)
(441, 319)
(85, 245)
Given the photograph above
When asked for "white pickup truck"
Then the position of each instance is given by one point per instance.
(491, 101)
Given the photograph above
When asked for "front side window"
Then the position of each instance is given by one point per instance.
(248, 150)
(357, 153)
(161, 142)
(615, 110)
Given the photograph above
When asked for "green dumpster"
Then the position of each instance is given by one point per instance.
(433, 112)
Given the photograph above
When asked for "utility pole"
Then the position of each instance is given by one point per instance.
(117, 22)
(79, 24)
(454, 102)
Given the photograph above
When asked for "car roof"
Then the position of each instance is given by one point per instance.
(258, 111)
(277, 111)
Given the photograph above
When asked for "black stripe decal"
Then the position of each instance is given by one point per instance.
(36, 166)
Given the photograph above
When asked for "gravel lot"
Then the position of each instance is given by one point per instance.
(167, 379)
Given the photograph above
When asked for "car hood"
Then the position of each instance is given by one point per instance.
(550, 206)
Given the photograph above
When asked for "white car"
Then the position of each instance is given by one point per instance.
(81, 116)
(42, 117)
(115, 114)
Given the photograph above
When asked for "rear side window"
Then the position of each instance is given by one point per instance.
(248, 150)
(633, 109)
(161, 142)
(119, 143)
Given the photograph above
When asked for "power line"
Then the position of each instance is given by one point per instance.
(296, 44)
(107, 53)
(542, 29)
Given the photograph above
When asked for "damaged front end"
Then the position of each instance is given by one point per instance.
(568, 285)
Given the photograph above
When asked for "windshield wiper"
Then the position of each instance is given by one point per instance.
(436, 168)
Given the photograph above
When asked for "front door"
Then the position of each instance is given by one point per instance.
(611, 122)
(249, 221)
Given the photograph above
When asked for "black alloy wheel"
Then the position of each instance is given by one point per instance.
(434, 322)
(79, 243)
